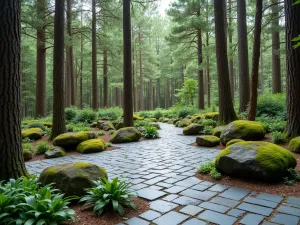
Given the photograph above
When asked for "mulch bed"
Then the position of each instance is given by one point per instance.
(85, 215)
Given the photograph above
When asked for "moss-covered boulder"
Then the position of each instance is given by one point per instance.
(69, 140)
(105, 125)
(56, 152)
(118, 124)
(26, 122)
(207, 141)
(47, 124)
(294, 145)
(243, 129)
(94, 125)
(32, 133)
(125, 135)
(91, 146)
(136, 117)
(27, 155)
(196, 117)
(193, 129)
(234, 141)
(217, 131)
(72, 178)
(211, 115)
(256, 160)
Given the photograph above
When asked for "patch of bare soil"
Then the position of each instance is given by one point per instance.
(85, 215)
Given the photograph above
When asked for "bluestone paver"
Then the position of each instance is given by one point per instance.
(252, 219)
(270, 197)
(171, 218)
(293, 201)
(289, 210)
(136, 221)
(201, 195)
(235, 193)
(285, 219)
(261, 202)
(183, 200)
(150, 194)
(194, 222)
(217, 218)
(236, 212)
(256, 209)
(191, 210)
(214, 207)
(162, 206)
(225, 201)
(150, 215)
(218, 188)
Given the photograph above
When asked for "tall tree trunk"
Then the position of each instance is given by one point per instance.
(11, 155)
(158, 93)
(70, 53)
(172, 92)
(182, 76)
(151, 95)
(81, 57)
(94, 59)
(167, 94)
(136, 90)
(141, 72)
(230, 31)
(262, 79)
(255, 61)
(292, 13)
(59, 126)
(105, 79)
(67, 81)
(40, 99)
(208, 70)
(200, 71)
(243, 62)
(226, 110)
(128, 104)
(276, 66)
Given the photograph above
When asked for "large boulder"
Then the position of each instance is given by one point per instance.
(256, 160)
(72, 178)
(207, 141)
(212, 115)
(118, 124)
(91, 146)
(55, 153)
(69, 140)
(32, 133)
(294, 145)
(47, 124)
(218, 130)
(243, 129)
(105, 125)
(193, 129)
(234, 141)
(125, 135)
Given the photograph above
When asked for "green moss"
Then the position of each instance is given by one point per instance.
(207, 141)
(136, 117)
(211, 115)
(27, 155)
(125, 135)
(90, 146)
(32, 133)
(246, 126)
(29, 122)
(234, 141)
(217, 131)
(47, 124)
(294, 145)
(71, 139)
(211, 138)
(50, 171)
(224, 152)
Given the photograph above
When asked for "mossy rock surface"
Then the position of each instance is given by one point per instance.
(211, 115)
(218, 130)
(32, 133)
(256, 160)
(26, 122)
(47, 124)
(136, 117)
(193, 129)
(105, 125)
(56, 152)
(207, 141)
(69, 140)
(243, 129)
(94, 124)
(118, 124)
(234, 141)
(294, 145)
(125, 135)
(27, 155)
(195, 118)
(72, 178)
(91, 146)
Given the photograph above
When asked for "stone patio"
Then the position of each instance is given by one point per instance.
(162, 171)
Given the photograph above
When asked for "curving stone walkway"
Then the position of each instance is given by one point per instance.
(162, 171)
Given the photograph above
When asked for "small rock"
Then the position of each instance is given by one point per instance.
(32, 133)
(55, 153)
(125, 135)
(208, 141)
(91, 146)
(193, 129)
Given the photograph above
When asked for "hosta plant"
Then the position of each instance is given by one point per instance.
(151, 132)
(107, 193)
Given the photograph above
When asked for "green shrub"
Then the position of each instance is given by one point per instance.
(205, 168)
(207, 130)
(272, 105)
(108, 144)
(214, 173)
(27, 147)
(36, 125)
(182, 113)
(208, 122)
(157, 114)
(277, 126)
(278, 137)
(86, 115)
(114, 113)
(141, 123)
(111, 131)
(41, 148)
(26, 140)
(151, 132)
(101, 133)
(81, 127)
(70, 128)
(70, 113)
(145, 114)
(23, 201)
(106, 194)
(180, 124)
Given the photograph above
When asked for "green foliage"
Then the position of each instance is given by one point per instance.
(180, 124)
(207, 130)
(41, 148)
(81, 127)
(36, 125)
(214, 173)
(151, 132)
(106, 194)
(208, 122)
(111, 131)
(141, 123)
(182, 113)
(26, 140)
(86, 115)
(292, 177)
(23, 201)
(145, 114)
(278, 137)
(157, 114)
(27, 147)
(70, 113)
(188, 93)
(101, 133)
(108, 144)
(272, 105)
(205, 168)
(114, 113)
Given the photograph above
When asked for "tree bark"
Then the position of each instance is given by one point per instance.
(255, 61)
(230, 34)
(11, 155)
(292, 13)
(59, 126)
(40, 99)
(128, 104)
(200, 71)
(141, 71)
(276, 66)
(151, 95)
(243, 62)
(208, 70)
(67, 81)
(158, 93)
(262, 79)
(105, 79)
(226, 110)
(94, 59)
